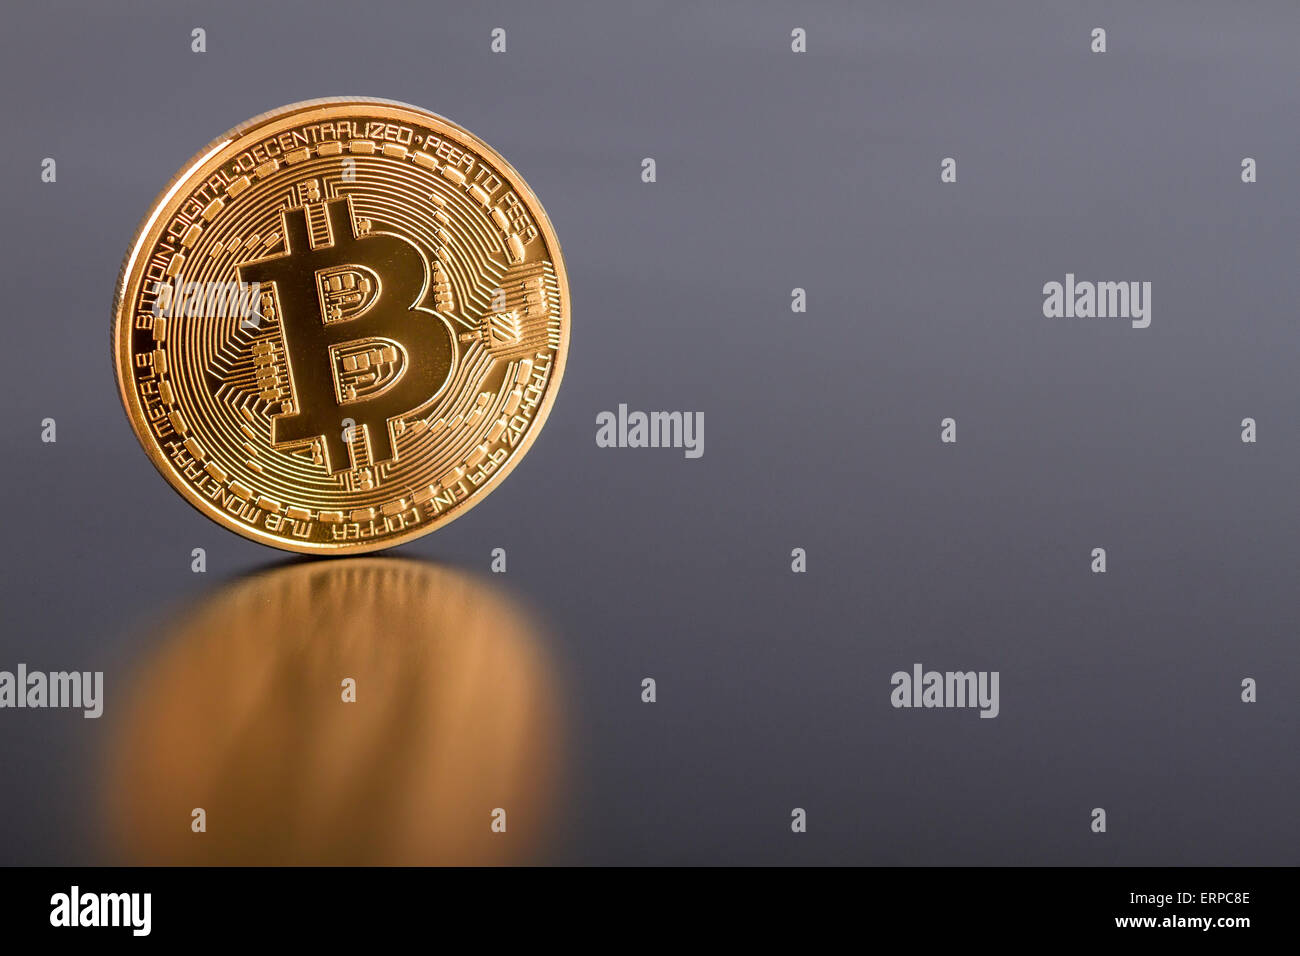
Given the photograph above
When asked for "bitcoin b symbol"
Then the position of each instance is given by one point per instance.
(355, 340)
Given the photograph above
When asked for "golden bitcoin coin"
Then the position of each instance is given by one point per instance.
(341, 325)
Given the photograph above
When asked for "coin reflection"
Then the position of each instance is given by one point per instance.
(241, 712)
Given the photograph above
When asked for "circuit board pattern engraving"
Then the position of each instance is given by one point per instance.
(406, 327)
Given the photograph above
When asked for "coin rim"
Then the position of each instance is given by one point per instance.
(150, 228)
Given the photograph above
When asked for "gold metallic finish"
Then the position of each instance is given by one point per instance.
(341, 325)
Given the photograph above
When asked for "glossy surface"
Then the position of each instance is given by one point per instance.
(365, 711)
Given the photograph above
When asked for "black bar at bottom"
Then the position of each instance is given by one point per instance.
(331, 905)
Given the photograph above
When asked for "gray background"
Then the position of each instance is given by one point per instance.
(775, 170)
